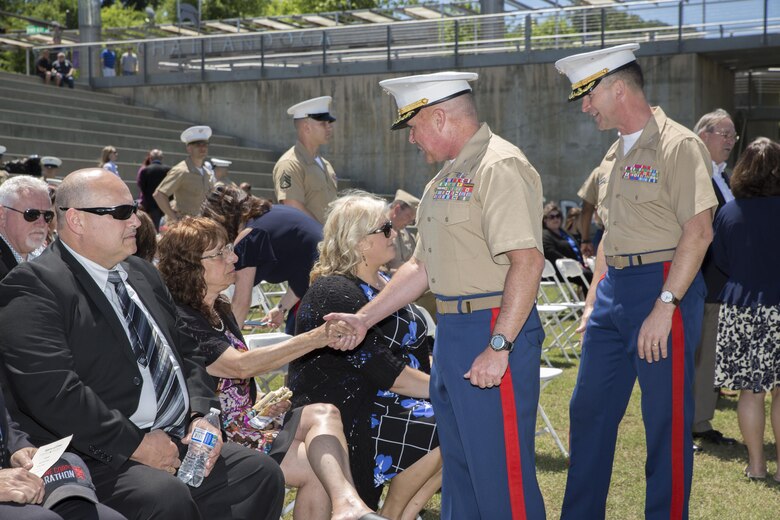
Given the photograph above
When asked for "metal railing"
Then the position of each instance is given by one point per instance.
(311, 52)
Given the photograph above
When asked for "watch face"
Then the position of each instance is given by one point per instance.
(666, 297)
(497, 342)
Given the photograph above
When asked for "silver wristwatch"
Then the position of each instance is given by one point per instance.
(499, 343)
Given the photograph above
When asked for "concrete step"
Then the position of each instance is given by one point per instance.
(87, 155)
(104, 126)
(36, 84)
(74, 111)
(122, 141)
(57, 100)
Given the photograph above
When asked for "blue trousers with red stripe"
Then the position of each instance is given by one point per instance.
(609, 368)
(486, 435)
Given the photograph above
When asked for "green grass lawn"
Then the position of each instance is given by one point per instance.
(720, 491)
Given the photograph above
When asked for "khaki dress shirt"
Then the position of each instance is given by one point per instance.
(596, 182)
(188, 186)
(298, 176)
(486, 202)
(651, 192)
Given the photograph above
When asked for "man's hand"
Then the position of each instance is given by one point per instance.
(23, 458)
(651, 344)
(157, 450)
(215, 451)
(587, 249)
(488, 368)
(586, 311)
(20, 486)
(347, 341)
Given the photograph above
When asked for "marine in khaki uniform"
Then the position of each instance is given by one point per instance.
(479, 250)
(189, 181)
(402, 213)
(303, 179)
(643, 318)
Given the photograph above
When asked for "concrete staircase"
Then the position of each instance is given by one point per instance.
(76, 124)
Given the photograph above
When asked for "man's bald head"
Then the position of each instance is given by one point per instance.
(104, 238)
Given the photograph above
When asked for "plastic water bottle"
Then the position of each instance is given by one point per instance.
(204, 438)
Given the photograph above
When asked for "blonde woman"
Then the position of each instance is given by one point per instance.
(108, 158)
(379, 386)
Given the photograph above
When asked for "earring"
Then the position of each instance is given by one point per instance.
(364, 259)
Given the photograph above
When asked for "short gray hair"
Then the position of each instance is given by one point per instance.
(709, 120)
(12, 189)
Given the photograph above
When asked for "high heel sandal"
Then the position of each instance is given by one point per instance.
(755, 477)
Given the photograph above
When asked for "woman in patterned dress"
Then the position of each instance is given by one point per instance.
(198, 263)
(747, 249)
(379, 386)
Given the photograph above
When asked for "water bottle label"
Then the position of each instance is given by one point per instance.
(204, 437)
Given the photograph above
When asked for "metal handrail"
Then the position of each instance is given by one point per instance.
(501, 32)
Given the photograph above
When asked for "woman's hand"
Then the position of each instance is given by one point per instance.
(340, 335)
(274, 318)
(279, 408)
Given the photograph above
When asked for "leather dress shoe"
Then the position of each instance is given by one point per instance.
(714, 437)
(697, 448)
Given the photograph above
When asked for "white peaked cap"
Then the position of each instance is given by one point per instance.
(316, 108)
(196, 133)
(586, 70)
(413, 93)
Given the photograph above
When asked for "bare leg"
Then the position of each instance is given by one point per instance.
(775, 417)
(752, 419)
(324, 454)
(411, 489)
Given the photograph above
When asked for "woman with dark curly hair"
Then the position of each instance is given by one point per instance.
(197, 263)
(746, 248)
(273, 244)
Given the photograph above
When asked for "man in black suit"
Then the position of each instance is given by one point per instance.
(73, 367)
(25, 211)
(717, 131)
(148, 179)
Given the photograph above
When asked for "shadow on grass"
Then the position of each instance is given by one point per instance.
(552, 463)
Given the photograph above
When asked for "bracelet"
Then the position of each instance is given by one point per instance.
(279, 306)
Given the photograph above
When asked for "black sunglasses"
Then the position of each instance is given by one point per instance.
(31, 215)
(386, 228)
(121, 212)
(554, 215)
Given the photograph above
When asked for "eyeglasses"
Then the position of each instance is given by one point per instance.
(31, 215)
(726, 135)
(121, 212)
(554, 215)
(226, 250)
(385, 229)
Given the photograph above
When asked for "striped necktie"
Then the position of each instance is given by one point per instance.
(151, 351)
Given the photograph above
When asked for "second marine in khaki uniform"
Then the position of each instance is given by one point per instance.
(302, 178)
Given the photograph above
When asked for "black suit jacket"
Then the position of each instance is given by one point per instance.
(7, 260)
(714, 277)
(148, 180)
(68, 359)
(13, 439)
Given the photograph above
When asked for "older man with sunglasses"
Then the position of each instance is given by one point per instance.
(92, 346)
(25, 211)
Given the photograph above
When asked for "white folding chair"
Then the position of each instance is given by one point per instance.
(545, 376)
(570, 268)
(560, 316)
(254, 341)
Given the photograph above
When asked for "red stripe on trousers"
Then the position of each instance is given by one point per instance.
(514, 469)
(678, 415)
